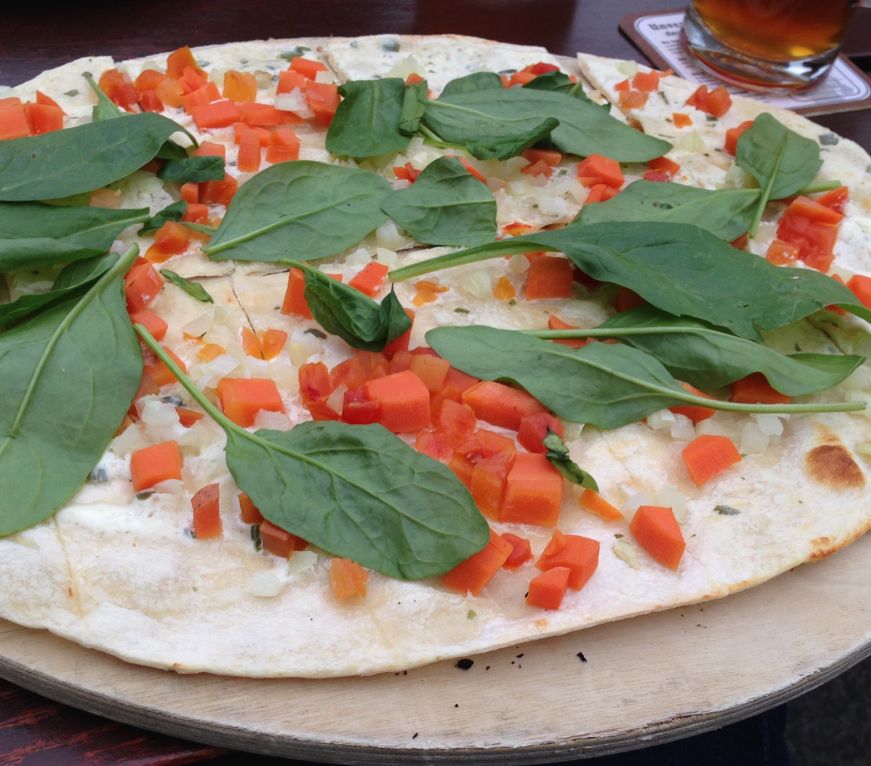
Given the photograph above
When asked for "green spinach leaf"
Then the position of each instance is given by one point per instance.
(413, 106)
(501, 123)
(355, 491)
(192, 169)
(71, 279)
(725, 213)
(559, 457)
(473, 82)
(83, 158)
(34, 235)
(558, 82)
(367, 122)
(105, 108)
(606, 385)
(680, 269)
(172, 212)
(194, 289)
(353, 316)
(301, 211)
(708, 358)
(69, 375)
(446, 205)
(782, 161)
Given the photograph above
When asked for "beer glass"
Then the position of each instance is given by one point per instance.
(767, 44)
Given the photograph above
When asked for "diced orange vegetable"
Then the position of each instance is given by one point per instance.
(521, 551)
(218, 114)
(426, 292)
(178, 60)
(250, 513)
(13, 122)
(151, 322)
(455, 418)
(358, 409)
(755, 389)
(815, 239)
(283, 146)
(622, 86)
(347, 579)
(187, 417)
(306, 67)
(657, 531)
(210, 351)
(172, 238)
(594, 503)
(665, 165)
(733, 134)
(323, 100)
(148, 79)
(538, 168)
(42, 98)
(503, 290)
(294, 295)
(597, 169)
(370, 279)
(271, 342)
(207, 516)
(248, 160)
(546, 591)
(534, 428)
(814, 211)
(194, 78)
(289, 81)
(782, 253)
(403, 399)
(413, 79)
(142, 284)
(549, 276)
(861, 287)
(240, 86)
(633, 99)
(433, 444)
(218, 192)
(681, 120)
(10, 101)
(694, 412)
(277, 541)
(406, 172)
(170, 92)
(431, 370)
(190, 193)
(150, 101)
(159, 372)
(714, 102)
(580, 555)
(202, 96)
(119, 88)
(44, 118)
(555, 323)
(517, 229)
(646, 81)
(196, 213)
(600, 193)
(314, 382)
(534, 491)
(242, 398)
(708, 456)
(836, 199)
(549, 157)
(473, 171)
(492, 443)
(489, 478)
(154, 464)
(499, 404)
(251, 343)
(475, 572)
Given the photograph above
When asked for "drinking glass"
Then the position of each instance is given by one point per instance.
(767, 44)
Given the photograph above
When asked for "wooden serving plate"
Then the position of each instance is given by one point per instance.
(615, 687)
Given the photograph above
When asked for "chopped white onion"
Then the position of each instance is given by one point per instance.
(159, 420)
(683, 428)
(478, 283)
(770, 425)
(301, 561)
(690, 142)
(753, 441)
(274, 421)
(168, 487)
(387, 235)
(387, 257)
(337, 398)
(404, 67)
(360, 257)
(264, 585)
(661, 419)
(629, 68)
(209, 373)
(518, 265)
(634, 500)
(295, 102)
(573, 431)
(201, 324)
(625, 551)
(129, 440)
(671, 497)
(285, 375)
(324, 76)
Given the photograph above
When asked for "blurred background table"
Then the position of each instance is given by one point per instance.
(35, 731)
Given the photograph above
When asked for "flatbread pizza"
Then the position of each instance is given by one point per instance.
(338, 356)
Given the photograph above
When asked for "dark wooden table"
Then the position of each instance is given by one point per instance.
(35, 731)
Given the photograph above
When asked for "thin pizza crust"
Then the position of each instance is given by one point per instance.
(123, 575)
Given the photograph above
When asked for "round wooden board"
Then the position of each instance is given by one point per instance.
(641, 681)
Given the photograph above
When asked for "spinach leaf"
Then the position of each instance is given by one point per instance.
(367, 122)
(355, 491)
(172, 212)
(413, 106)
(680, 269)
(473, 82)
(559, 457)
(105, 108)
(501, 123)
(300, 210)
(782, 161)
(709, 358)
(69, 375)
(446, 205)
(606, 385)
(725, 213)
(558, 82)
(83, 158)
(194, 289)
(192, 169)
(34, 235)
(71, 279)
(353, 316)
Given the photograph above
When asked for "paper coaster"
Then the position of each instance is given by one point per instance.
(658, 36)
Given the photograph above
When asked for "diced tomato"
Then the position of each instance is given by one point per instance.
(755, 389)
(159, 372)
(546, 591)
(861, 287)
(549, 276)
(154, 464)
(250, 513)
(489, 477)
(538, 168)
(836, 199)
(277, 541)
(664, 165)
(358, 409)
(521, 551)
(598, 169)
(306, 67)
(627, 299)
(118, 87)
(44, 118)
(170, 92)
(172, 238)
(196, 213)
(681, 120)
(594, 503)
(499, 404)
(347, 579)
(694, 412)
(283, 146)
(813, 228)
(314, 382)
(782, 253)
(207, 516)
(240, 86)
(370, 279)
(406, 172)
(218, 192)
(534, 491)
(403, 400)
(242, 398)
(178, 60)
(579, 554)
(714, 102)
(272, 342)
(187, 417)
(42, 98)
(475, 572)
(657, 531)
(708, 456)
(434, 445)
(622, 86)
(601, 193)
(549, 157)
(151, 322)
(218, 114)
(323, 100)
(534, 428)
(633, 99)
(733, 134)
(142, 284)
(202, 96)
(13, 122)
(646, 81)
